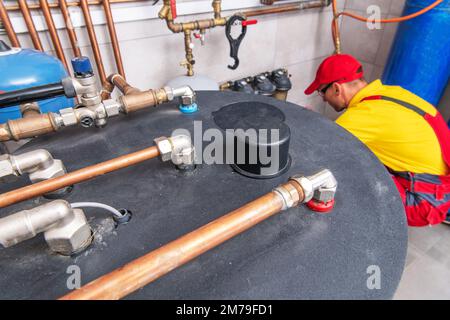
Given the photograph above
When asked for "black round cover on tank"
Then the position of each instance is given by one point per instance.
(297, 254)
(260, 138)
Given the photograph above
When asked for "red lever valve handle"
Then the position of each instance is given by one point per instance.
(249, 22)
(173, 8)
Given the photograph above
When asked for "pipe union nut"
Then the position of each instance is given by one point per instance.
(72, 237)
(165, 148)
(68, 117)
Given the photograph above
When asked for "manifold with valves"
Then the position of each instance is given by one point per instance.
(94, 107)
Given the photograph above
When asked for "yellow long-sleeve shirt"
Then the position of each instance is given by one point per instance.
(402, 139)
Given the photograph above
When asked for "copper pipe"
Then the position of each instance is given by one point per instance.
(93, 39)
(69, 4)
(285, 8)
(77, 176)
(30, 24)
(159, 262)
(8, 26)
(113, 36)
(118, 81)
(69, 27)
(53, 32)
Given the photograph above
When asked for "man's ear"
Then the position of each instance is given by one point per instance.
(337, 89)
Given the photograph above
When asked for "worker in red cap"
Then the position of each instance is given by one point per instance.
(405, 132)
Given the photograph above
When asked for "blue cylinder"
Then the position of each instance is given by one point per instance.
(419, 60)
(25, 68)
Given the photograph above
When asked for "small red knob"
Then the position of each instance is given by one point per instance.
(173, 8)
(249, 22)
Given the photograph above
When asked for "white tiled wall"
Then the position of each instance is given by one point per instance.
(298, 41)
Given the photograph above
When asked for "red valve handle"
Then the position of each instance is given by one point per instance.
(197, 35)
(173, 8)
(249, 22)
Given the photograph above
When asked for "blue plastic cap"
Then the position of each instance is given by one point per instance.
(82, 66)
(189, 109)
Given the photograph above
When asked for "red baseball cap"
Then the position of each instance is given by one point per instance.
(339, 68)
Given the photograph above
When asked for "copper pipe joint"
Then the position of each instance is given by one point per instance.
(30, 110)
(144, 99)
(8, 26)
(116, 80)
(77, 176)
(159, 262)
(27, 127)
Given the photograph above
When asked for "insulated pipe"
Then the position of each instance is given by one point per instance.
(159, 262)
(77, 176)
(93, 39)
(69, 27)
(113, 36)
(8, 26)
(30, 24)
(53, 32)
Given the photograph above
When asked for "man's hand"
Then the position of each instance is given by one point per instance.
(267, 2)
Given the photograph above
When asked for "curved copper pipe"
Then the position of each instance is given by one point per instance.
(53, 32)
(113, 36)
(159, 262)
(30, 24)
(93, 39)
(116, 80)
(69, 27)
(77, 176)
(8, 26)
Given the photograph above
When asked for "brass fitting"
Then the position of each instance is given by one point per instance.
(28, 127)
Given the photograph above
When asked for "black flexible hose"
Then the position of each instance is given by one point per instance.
(18, 97)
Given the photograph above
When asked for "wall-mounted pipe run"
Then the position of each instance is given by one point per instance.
(187, 28)
(287, 8)
(93, 39)
(53, 32)
(30, 24)
(113, 36)
(146, 269)
(69, 27)
(8, 26)
(178, 146)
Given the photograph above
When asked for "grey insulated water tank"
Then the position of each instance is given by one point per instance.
(296, 254)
